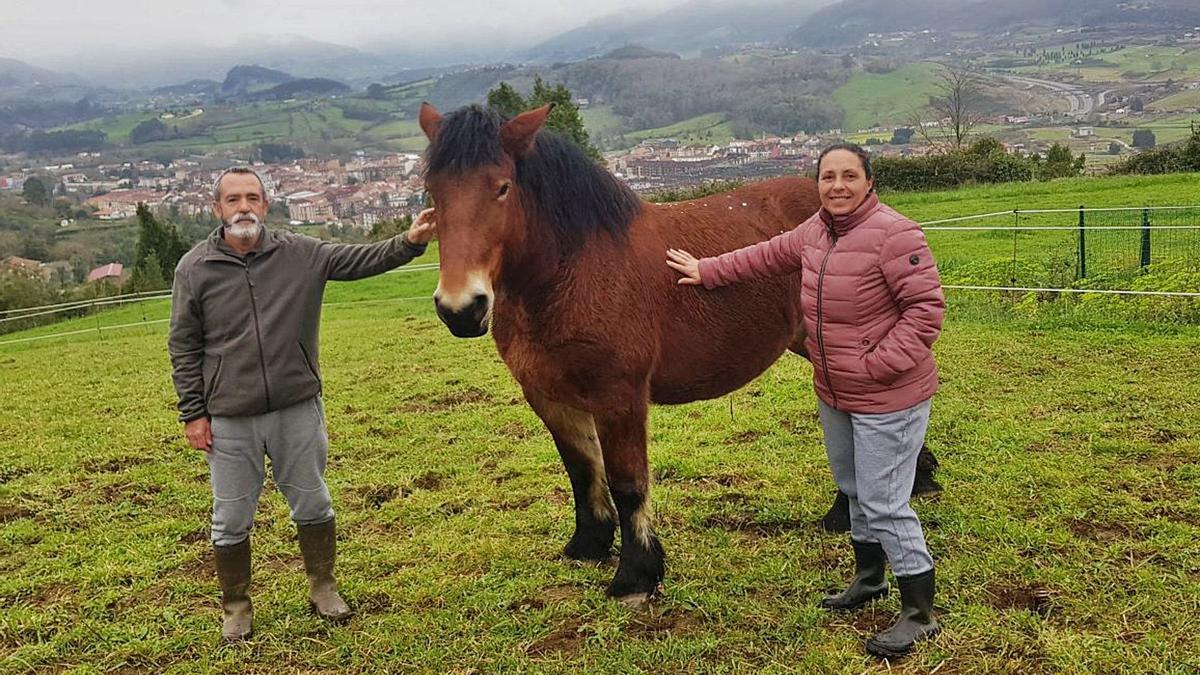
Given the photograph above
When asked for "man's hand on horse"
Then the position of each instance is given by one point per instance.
(686, 264)
(422, 229)
(199, 434)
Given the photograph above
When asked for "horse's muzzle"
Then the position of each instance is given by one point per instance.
(470, 321)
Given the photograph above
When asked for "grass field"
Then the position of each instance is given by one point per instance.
(1067, 538)
(1144, 63)
(703, 129)
(886, 99)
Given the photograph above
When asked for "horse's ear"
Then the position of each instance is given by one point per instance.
(518, 133)
(431, 120)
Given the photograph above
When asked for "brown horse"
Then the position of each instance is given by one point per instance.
(567, 265)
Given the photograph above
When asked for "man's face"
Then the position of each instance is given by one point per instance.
(241, 205)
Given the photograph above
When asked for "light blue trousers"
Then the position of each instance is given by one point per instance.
(874, 462)
(297, 443)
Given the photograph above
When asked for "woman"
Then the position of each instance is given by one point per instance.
(873, 306)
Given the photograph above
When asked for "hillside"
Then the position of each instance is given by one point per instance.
(851, 20)
(688, 29)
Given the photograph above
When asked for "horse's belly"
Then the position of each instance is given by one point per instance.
(723, 339)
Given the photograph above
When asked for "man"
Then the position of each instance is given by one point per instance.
(245, 312)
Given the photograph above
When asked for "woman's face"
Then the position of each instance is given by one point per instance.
(842, 182)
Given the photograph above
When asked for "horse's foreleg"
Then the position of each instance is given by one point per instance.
(623, 440)
(574, 433)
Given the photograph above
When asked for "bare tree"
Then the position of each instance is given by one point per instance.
(953, 111)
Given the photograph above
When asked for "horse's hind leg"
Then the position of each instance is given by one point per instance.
(642, 566)
(574, 433)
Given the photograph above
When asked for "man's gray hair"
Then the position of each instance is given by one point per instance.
(241, 170)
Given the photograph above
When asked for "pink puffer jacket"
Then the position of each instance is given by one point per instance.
(872, 303)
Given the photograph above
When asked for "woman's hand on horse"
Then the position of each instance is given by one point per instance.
(423, 228)
(686, 264)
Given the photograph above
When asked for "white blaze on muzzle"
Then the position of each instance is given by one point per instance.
(477, 284)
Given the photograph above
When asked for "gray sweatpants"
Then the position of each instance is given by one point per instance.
(874, 461)
(297, 443)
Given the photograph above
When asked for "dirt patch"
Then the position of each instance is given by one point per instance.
(565, 640)
(9, 513)
(519, 504)
(1098, 530)
(429, 481)
(1035, 598)
(514, 430)
(737, 522)
(553, 595)
(11, 473)
(1164, 436)
(745, 437)
(109, 465)
(375, 496)
(871, 620)
(194, 537)
(559, 496)
(670, 622)
(501, 479)
(455, 399)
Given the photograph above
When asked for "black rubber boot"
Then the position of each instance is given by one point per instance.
(233, 574)
(915, 622)
(870, 580)
(838, 517)
(927, 465)
(318, 544)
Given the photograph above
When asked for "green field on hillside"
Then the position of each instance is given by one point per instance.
(1142, 63)
(886, 99)
(704, 129)
(1067, 538)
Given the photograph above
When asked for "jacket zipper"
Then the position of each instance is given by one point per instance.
(258, 336)
(821, 320)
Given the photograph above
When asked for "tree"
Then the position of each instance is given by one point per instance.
(902, 136)
(506, 100)
(1114, 148)
(1137, 104)
(147, 276)
(955, 108)
(376, 91)
(1060, 163)
(35, 191)
(1144, 139)
(564, 118)
(148, 131)
(157, 241)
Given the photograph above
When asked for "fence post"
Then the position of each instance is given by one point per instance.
(1082, 246)
(1145, 239)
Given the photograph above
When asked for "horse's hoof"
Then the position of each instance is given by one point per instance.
(635, 600)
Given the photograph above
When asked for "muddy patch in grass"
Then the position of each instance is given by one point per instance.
(11, 473)
(429, 481)
(656, 625)
(745, 437)
(554, 595)
(568, 639)
(114, 465)
(1035, 598)
(515, 504)
(375, 496)
(10, 512)
(1098, 530)
(450, 401)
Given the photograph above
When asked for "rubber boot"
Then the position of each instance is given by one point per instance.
(233, 574)
(870, 579)
(837, 519)
(318, 545)
(915, 622)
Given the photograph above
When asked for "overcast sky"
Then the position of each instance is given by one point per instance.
(59, 31)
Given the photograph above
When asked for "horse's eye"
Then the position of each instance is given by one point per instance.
(503, 189)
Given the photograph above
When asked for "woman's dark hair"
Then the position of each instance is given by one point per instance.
(863, 156)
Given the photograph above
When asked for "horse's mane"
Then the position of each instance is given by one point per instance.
(563, 188)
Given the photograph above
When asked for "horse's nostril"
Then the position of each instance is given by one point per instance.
(480, 300)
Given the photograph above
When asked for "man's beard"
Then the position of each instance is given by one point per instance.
(244, 226)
